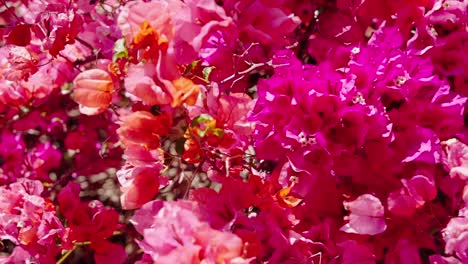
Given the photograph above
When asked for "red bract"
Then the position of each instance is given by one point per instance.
(12, 149)
(140, 178)
(232, 111)
(59, 26)
(144, 128)
(42, 159)
(90, 222)
(22, 62)
(416, 192)
(139, 185)
(356, 253)
(19, 35)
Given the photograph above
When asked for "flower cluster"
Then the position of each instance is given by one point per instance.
(247, 131)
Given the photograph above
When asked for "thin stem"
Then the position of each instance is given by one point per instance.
(85, 43)
(192, 177)
(68, 253)
(69, 61)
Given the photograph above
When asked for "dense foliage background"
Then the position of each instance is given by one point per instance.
(251, 131)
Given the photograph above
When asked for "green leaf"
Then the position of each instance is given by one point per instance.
(66, 88)
(219, 132)
(207, 72)
(190, 67)
(201, 119)
(103, 150)
(120, 50)
(202, 124)
(194, 64)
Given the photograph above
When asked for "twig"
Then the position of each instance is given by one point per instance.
(68, 253)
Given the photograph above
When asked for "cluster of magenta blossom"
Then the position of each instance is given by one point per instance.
(249, 131)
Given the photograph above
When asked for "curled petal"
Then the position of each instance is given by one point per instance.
(185, 92)
(367, 216)
(142, 188)
(143, 128)
(93, 91)
(139, 83)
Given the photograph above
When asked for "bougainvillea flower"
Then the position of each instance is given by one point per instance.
(286, 199)
(354, 152)
(421, 188)
(19, 35)
(455, 158)
(157, 13)
(29, 220)
(447, 16)
(22, 62)
(192, 151)
(87, 221)
(139, 82)
(139, 185)
(339, 26)
(405, 251)
(59, 26)
(146, 37)
(449, 54)
(435, 259)
(192, 38)
(184, 91)
(367, 216)
(144, 128)
(232, 111)
(416, 192)
(12, 151)
(90, 222)
(356, 253)
(262, 21)
(173, 232)
(139, 155)
(400, 203)
(147, 42)
(92, 90)
(456, 237)
(43, 159)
